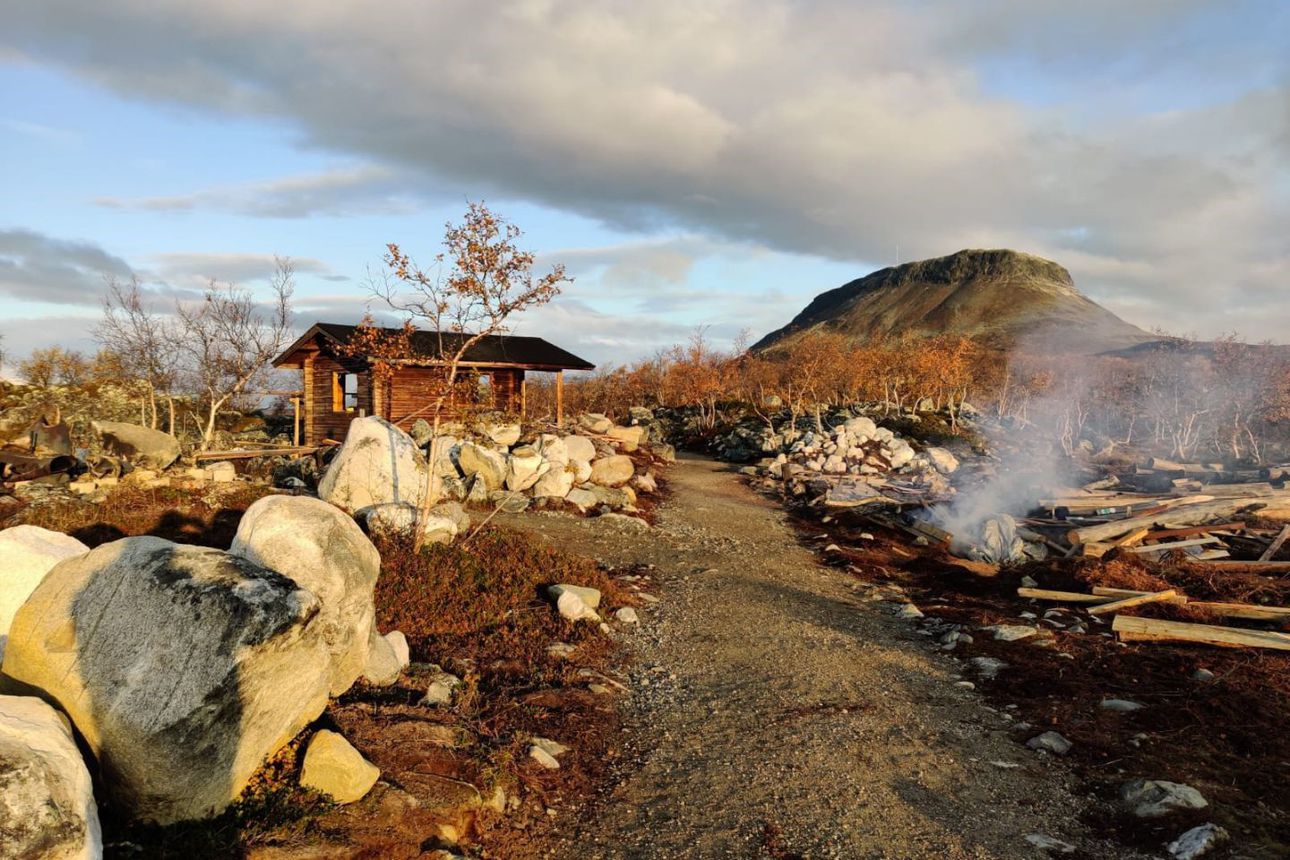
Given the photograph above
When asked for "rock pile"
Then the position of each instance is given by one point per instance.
(183, 667)
(850, 463)
(380, 476)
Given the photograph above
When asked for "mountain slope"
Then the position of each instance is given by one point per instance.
(1002, 296)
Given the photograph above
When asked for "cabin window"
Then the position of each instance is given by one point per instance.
(344, 392)
(485, 392)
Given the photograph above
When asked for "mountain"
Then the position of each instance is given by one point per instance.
(1004, 297)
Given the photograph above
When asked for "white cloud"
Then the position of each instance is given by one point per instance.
(835, 128)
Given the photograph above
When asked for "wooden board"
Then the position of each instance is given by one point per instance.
(1276, 544)
(1191, 514)
(1063, 596)
(1165, 547)
(1134, 537)
(1133, 629)
(1135, 600)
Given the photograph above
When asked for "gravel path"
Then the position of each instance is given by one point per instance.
(780, 709)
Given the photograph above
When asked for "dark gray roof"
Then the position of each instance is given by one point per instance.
(492, 349)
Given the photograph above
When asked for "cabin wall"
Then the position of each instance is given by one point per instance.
(412, 392)
(322, 420)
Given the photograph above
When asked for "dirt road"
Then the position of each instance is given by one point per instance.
(780, 709)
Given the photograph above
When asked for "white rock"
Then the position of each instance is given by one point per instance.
(628, 438)
(553, 748)
(627, 615)
(988, 667)
(942, 460)
(47, 807)
(1197, 842)
(332, 766)
(1050, 742)
(1157, 798)
(595, 422)
(399, 643)
(580, 448)
(1011, 632)
(624, 521)
(328, 555)
(182, 667)
(1049, 844)
(378, 463)
(26, 554)
(554, 450)
(590, 596)
(142, 446)
(524, 467)
(612, 471)
(554, 484)
(909, 611)
(645, 483)
(483, 463)
(441, 687)
(383, 665)
(504, 434)
(1123, 706)
(583, 500)
(573, 608)
(400, 517)
(543, 758)
(222, 472)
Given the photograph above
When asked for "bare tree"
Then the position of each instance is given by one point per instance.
(145, 343)
(229, 340)
(488, 280)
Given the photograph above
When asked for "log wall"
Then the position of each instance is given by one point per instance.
(322, 421)
(412, 392)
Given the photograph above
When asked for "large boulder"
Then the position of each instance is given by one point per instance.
(46, 799)
(580, 448)
(142, 446)
(182, 668)
(553, 449)
(524, 467)
(26, 555)
(326, 553)
(612, 471)
(378, 463)
(483, 464)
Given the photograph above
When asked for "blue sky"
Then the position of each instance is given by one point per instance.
(713, 163)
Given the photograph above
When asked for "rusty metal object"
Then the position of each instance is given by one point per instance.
(16, 467)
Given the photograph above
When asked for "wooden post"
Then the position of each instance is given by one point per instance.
(524, 398)
(559, 398)
(310, 406)
(295, 421)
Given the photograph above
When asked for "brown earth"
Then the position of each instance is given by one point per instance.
(779, 709)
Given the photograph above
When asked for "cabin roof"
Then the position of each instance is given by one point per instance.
(493, 349)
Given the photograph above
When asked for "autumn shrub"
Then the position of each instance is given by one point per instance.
(483, 598)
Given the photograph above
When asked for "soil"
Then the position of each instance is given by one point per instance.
(778, 708)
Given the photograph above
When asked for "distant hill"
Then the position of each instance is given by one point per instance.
(1001, 296)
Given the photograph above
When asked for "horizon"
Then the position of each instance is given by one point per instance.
(718, 165)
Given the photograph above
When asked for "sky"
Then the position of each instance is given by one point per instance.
(707, 163)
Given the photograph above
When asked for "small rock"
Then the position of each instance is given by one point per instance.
(399, 644)
(1050, 742)
(1011, 632)
(1157, 798)
(909, 611)
(1123, 706)
(1202, 675)
(574, 608)
(627, 615)
(590, 596)
(1197, 842)
(560, 650)
(552, 748)
(332, 766)
(987, 667)
(1049, 844)
(543, 758)
(440, 690)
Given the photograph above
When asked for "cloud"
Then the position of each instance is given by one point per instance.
(39, 268)
(833, 128)
(197, 268)
(363, 190)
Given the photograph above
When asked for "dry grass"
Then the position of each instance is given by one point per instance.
(205, 517)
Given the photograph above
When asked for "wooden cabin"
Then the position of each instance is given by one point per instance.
(339, 387)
